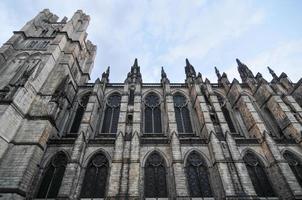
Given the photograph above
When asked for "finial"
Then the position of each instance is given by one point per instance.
(207, 81)
(163, 73)
(135, 63)
(238, 61)
(187, 62)
(217, 73)
(272, 73)
(108, 70)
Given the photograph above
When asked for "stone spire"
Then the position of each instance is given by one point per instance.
(134, 75)
(244, 71)
(105, 75)
(189, 69)
(164, 78)
(217, 73)
(272, 73)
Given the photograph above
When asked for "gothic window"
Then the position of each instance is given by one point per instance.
(152, 114)
(95, 180)
(198, 176)
(272, 123)
(131, 97)
(155, 177)
(79, 114)
(258, 176)
(182, 114)
(112, 113)
(52, 177)
(295, 165)
(226, 113)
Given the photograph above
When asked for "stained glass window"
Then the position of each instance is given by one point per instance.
(152, 114)
(295, 165)
(182, 114)
(112, 114)
(52, 177)
(155, 177)
(95, 180)
(79, 114)
(258, 175)
(198, 176)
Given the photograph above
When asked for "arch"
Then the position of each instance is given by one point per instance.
(152, 113)
(167, 161)
(109, 93)
(146, 93)
(96, 176)
(258, 175)
(82, 103)
(52, 176)
(197, 174)
(112, 112)
(295, 163)
(100, 150)
(177, 90)
(155, 180)
(206, 158)
(182, 113)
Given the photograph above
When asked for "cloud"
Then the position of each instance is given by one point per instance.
(158, 33)
(283, 57)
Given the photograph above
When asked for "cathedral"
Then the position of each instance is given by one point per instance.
(64, 137)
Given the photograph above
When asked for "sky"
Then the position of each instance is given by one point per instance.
(166, 32)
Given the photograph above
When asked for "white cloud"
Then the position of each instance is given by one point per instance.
(284, 57)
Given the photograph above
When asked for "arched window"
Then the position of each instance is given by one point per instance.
(95, 180)
(155, 177)
(226, 113)
(182, 114)
(198, 176)
(295, 165)
(79, 114)
(112, 113)
(52, 177)
(258, 175)
(152, 114)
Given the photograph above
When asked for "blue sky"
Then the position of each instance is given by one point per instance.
(164, 33)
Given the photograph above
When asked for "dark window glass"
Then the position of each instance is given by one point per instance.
(112, 114)
(295, 165)
(131, 97)
(182, 114)
(53, 176)
(95, 180)
(258, 176)
(198, 176)
(155, 177)
(152, 114)
(79, 114)
(226, 113)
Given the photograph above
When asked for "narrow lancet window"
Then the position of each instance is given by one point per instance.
(152, 114)
(182, 114)
(112, 114)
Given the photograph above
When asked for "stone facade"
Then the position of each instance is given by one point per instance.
(45, 68)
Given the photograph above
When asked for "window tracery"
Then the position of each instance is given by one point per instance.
(295, 164)
(95, 180)
(258, 176)
(52, 177)
(198, 176)
(152, 114)
(112, 112)
(155, 177)
(182, 114)
(79, 113)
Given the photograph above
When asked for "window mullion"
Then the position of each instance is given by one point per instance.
(111, 118)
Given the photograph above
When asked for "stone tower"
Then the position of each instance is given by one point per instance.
(64, 138)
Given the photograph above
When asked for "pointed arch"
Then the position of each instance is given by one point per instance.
(152, 113)
(112, 113)
(295, 164)
(182, 113)
(197, 174)
(82, 104)
(258, 175)
(155, 180)
(52, 176)
(95, 180)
